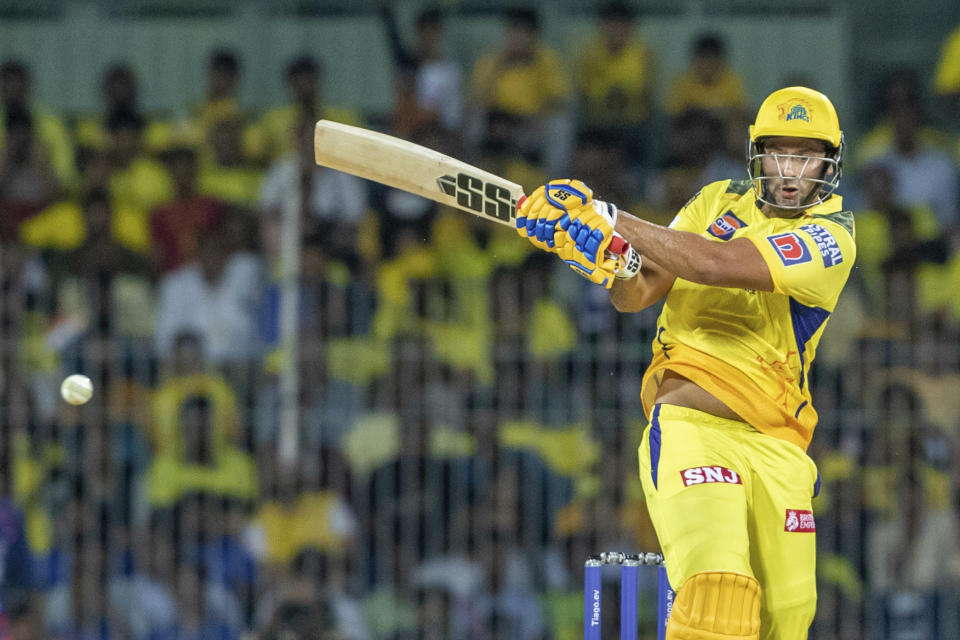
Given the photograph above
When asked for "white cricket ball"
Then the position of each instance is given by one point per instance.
(76, 389)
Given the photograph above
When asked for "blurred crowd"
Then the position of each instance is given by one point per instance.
(466, 410)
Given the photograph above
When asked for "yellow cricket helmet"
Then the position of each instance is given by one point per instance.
(797, 112)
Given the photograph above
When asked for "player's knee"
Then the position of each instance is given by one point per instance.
(716, 605)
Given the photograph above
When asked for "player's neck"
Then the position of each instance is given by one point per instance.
(776, 212)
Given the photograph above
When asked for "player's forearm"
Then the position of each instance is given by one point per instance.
(685, 255)
(644, 289)
(736, 263)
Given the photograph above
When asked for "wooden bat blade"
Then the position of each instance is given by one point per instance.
(412, 167)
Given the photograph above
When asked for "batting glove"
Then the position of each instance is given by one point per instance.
(539, 213)
(589, 229)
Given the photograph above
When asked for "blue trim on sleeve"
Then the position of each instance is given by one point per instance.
(802, 405)
(816, 485)
(654, 444)
(806, 321)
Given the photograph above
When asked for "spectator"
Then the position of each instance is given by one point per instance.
(725, 162)
(62, 226)
(221, 102)
(16, 560)
(690, 143)
(412, 285)
(276, 133)
(912, 545)
(211, 526)
(75, 605)
(27, 180)
(137, 181)
(502, 153)
(709, 83)
(187, 373)
(300, 518)
(100, 256)
(528, 83)
(50, 130)
(101, 280)
(614, 79)
(899, 248)
(194, 452)
(120, 94)
(922, 173)
(315, 615)
(338, 357)
(175, 226)
(215, 296)
(144, 600)
(605, 161)
(898, 92)
(119, 91)
(329, 200)
(428, 84)
(226, 172)
(204, 609)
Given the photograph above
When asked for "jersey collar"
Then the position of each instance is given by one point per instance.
(833, 204)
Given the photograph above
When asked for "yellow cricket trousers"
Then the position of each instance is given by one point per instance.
(726, 497)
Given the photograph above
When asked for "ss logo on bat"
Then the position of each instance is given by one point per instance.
(481, 197)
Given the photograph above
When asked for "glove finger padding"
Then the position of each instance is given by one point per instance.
(602, 272)
(538, 213)
(589, 228)
(536, 220)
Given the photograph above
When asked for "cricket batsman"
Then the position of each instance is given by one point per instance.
(751, 270)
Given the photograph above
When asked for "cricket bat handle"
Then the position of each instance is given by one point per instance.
(628, 258)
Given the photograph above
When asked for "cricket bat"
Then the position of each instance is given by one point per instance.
(412, 167)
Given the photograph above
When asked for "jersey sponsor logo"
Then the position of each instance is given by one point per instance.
(827, 244)
(709, 475)
(725, 226)
(799, 521)
(791, 249)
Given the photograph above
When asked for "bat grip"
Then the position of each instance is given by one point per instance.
(618, 245)
(629, 258)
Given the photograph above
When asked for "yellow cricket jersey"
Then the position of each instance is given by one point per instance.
(687, 92)
(614, 84)
(753, 349)
(521, 89)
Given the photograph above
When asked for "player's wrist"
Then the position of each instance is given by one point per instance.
(607, 210)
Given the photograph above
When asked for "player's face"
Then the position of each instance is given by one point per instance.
(788, 164)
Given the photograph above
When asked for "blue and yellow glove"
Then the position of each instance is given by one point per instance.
(584, 242)
(539, 213)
